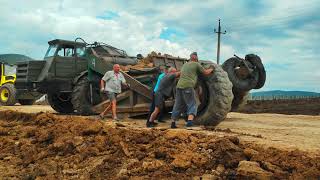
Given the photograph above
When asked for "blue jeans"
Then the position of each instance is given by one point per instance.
(185, 103)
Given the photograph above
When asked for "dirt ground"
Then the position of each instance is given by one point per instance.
(37, 143)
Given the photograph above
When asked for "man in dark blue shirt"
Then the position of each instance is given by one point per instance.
(163, 92)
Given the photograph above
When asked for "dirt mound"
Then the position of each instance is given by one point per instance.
(146, 62)
(46, 146)
(309, 106)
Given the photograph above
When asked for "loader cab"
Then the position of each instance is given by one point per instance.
(1, 70)
(7, 73)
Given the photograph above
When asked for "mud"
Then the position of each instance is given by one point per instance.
(48, 146)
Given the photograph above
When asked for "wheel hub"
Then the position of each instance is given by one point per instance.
(241, 72)
(243, 69)
(4, 95)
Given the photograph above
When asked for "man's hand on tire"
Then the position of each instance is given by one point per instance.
(208, 71)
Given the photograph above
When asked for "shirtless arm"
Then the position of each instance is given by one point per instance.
(102, 85)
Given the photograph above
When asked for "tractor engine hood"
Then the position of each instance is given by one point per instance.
(120, 60)
(113, 55)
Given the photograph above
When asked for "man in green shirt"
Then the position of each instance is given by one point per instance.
(185, 101)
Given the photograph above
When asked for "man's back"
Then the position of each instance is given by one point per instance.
(189, 75)
(166, 84)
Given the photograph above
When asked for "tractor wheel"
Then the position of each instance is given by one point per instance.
(240, 99)
(26, 101)
(60, 102)
(215, 98)
(241, 83)
(81, 96)
(256, 62)
(7, 95)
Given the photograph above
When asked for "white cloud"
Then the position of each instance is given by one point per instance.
(130, 32)
(26, 27)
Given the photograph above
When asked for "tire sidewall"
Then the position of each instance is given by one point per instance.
(80, 96)
(219, 98)
(259, 68)
(242, 84)
(12, 94)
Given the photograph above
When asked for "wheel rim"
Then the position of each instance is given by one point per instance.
(4, 95)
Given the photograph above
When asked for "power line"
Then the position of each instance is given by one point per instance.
(218, 45)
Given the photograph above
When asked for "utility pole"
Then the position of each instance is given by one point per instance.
(219, 33)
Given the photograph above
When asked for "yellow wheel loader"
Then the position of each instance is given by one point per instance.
(9, 95)
(7, 89)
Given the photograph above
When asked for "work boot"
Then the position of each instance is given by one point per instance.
(173, 125)
(151, 124)
(101, 117)
(189, 123)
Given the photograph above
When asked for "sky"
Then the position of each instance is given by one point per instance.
(284, 33)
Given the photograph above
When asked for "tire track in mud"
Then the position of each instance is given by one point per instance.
(45, 145)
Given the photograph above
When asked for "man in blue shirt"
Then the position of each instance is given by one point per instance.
(158, 81)
(152, 106)
(164, 91)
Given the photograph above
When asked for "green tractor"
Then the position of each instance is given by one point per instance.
(71, 71)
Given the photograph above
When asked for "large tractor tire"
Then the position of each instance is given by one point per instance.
(60, 103)
(81, 96)
(26, 101)
(257, 63)
(240, 100)
(216, 98)
(7, 95)
(243, 84)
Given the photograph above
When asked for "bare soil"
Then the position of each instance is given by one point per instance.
(45, 145)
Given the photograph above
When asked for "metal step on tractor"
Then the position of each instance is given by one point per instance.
(71, 71)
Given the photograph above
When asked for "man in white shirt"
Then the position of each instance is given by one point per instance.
(110, 85)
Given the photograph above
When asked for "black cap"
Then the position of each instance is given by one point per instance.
(194, 53)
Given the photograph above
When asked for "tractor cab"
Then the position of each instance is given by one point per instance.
(63, 61)
(65, 49)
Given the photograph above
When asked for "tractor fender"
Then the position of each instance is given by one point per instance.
(76, 79)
